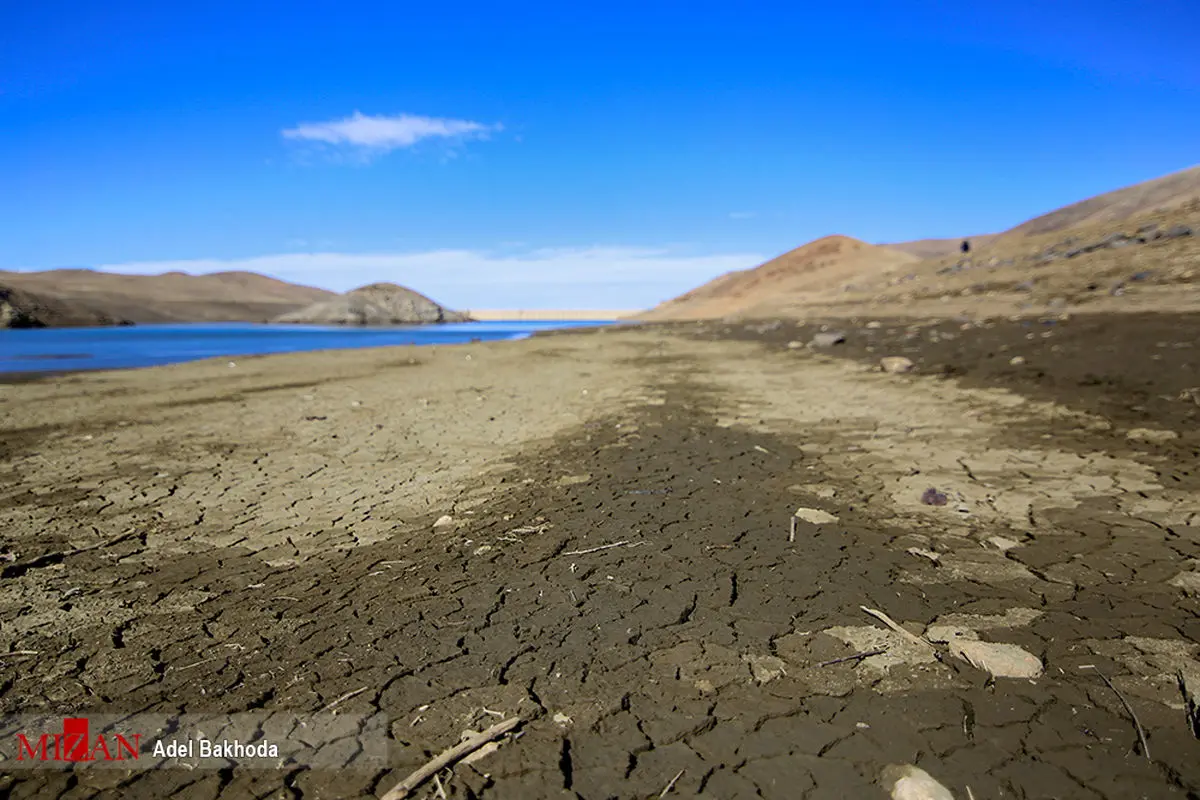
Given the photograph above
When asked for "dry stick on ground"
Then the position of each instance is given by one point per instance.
(1136, 723)
(856, 657)
(1191, 704)
(447, 757)
(593, 549)
(792, 532)
(666, 791)
(346, 696)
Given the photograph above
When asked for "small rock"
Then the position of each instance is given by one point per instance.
(443, 521)
(895, 364)
(932, 497)
(815, 516)
(1151, 436)
(873, 324)
(907, 782)
(1176, 231)
(1003, 544)
(561, 719)
(573, 480)
(923, 553)
(1016, 361)
(1001, 660)
(794, 345)
(827, 339)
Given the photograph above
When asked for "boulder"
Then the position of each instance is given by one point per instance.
(377, 304)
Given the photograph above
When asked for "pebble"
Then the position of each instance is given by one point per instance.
(827, 339)
(895, 364)
(932, 497)
(443, 521)
(1003, 543)
(1016, 361)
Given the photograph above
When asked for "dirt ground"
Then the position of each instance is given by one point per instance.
(618, 569)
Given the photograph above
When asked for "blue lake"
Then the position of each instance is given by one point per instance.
(68, 349)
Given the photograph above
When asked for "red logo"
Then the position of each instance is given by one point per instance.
(75, 744)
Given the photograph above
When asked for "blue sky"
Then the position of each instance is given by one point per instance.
(564, 154)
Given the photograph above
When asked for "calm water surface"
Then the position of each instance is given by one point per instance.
(67, 349)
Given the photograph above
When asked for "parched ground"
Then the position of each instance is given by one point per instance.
(619, 570)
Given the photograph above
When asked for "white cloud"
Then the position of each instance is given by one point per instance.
(375, 135)
(574, 277)
(742, 214)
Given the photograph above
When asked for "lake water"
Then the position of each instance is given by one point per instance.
(68, 349)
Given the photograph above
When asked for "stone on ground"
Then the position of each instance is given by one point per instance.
(1001, 660)
(895, 364)
(815, 516)
(907, 782)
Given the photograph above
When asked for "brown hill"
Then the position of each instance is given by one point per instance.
(377, 304)
(172, 297)
(20, 309)
(817, 269)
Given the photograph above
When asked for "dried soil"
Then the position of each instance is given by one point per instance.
(282, 554)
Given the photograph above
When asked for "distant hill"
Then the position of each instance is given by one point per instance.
(819, 267)
(171, 297)
(1142, 240)
(1161, 194)
(377, 304)
(21, 309)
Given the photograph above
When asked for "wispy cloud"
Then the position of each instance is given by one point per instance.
(367, 136)
(742, 214)
(569, 277)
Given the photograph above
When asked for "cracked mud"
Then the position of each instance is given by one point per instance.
(269, 543)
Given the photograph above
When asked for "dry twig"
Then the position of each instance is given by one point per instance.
(667, 790)
(346, 696)
(447, 757)
(856, 657)
(1128, 708)
(594, 549)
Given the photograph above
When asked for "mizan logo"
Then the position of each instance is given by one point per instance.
(74, 744)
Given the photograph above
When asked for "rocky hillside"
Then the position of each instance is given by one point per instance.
(817, 268)
(19, 309)
(171, 297)
(377, 304)
(1136, 248)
